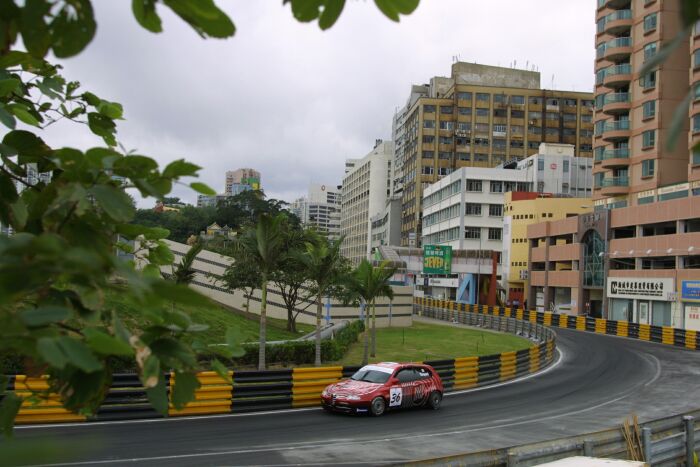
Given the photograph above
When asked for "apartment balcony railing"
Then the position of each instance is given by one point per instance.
(619, 153)
(616, 97)
(615, 16)
(617, 125)
(613, 44)
(615, 181)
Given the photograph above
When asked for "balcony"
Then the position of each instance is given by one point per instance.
(614, 157)
(611, 186)
(563, 278)
(538, 255)
(615, 23)
(617, 75)
(616, 49)
(617, 102)
(616, 130)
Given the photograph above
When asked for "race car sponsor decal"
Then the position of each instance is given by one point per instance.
(395, 396)
(419, 395)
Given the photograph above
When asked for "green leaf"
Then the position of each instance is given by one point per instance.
(161, 255)
(4, 382)
(186, 383)
(27, 144)
(114, 201)
(690, 11)
(145, 13)
(113, 110)
(221, 370)
(306, 10)
(8, 86)
(7, 118)
(180, 168)
(14, 58)
(202, 188)
(35, 32)
(8, 190)
(102, 343)
(51, 352)
(234, 339)
(331, 12)
(91, 99)
(79, 355)
(150, 374)
(204, 17)
(19, 214)
(119, 329)
(8, 411)
(20, 111)
(680, 116)
(158, 396)
(392, 8)
(179, 293)
(43, 315)
(102, 126)
(134, 166)
(73, 28)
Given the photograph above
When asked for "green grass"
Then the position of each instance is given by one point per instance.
(424, 341)
(218, 318)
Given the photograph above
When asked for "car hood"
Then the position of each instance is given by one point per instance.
(350, 386)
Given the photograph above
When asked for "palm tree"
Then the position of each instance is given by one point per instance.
(184, 273)
(369, 283)
(265, 246)
(323, 262)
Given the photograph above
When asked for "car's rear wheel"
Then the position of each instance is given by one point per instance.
(434, 400)
(378, 406)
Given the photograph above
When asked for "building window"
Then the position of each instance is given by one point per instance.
(696, 90)
(499, 128)
(462, 126)
(517, 113)
(696, 58)
(566, 166)
(482, 112)
(648, 168)
(648, 81)
(516, 129)
(534, 115)
(586, 118)
(648, 139)
(496, 186)
(472, 232)
(444, 155)
(496, 210)
(446, 125)
(552, 131)
(481, 127)
(427, 170)
(586, 147)
(480, 157)
(446, 140)
(540, 164)
(696, 156)
(464, 96)
(429, 109)
(472, 209)
(483, 97)
(696, 123)
(649, 51)
(649, 109)
(569, 117)
(427, 155)
(517, 100)
(535, 130)
(495, 233)
(500, 113)
(464, 110)
(428, 139)
(428, 123)
(444, 170)
(650, 22)
(499, 143)
(463, 156)
(446, 109)
(514, 143)
(474, 185)
(481, 142)
(463, 141)
(534, 100)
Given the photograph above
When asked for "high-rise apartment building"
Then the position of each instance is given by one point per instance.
(237, 181)
(637, 256)
(633, 113)
(480, 116)
(320, 209)
(366, 186)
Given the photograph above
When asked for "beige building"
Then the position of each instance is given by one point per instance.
(481, 116)
(239, 180)
(364, 193)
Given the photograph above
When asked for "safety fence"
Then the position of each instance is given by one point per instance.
(249, 390)
(669, 441)
(685, 338)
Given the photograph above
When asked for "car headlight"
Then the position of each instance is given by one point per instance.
(325, 393)
(353, 398)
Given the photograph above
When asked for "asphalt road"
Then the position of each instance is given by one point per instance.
(596, 383)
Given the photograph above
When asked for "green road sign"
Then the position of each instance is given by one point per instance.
(437, 259)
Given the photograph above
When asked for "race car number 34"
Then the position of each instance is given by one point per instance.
(395, 397)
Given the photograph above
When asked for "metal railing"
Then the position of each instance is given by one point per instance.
(618, 15)
(616, 97)
(618, 153)
(615, 181)
(616, 125)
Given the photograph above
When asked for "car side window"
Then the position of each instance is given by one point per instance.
(406, 375)
(423, 373)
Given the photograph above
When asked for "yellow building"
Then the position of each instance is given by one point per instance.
(481, 116)
(520, 210)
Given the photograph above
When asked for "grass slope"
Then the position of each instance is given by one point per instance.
(218, 318)
(425, 341)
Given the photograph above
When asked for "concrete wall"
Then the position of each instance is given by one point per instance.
(485, 75)
(209, 265)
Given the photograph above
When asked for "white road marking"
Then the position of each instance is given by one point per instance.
(658, 369)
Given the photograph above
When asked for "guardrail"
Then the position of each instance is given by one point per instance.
(666, 441)
(668, 335)
(295, 387)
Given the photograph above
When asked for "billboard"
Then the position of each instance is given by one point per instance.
(437, 259)
(690, 290)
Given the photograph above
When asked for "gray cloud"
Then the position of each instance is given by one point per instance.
(293, 101)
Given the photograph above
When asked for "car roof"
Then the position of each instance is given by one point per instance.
(394, 365)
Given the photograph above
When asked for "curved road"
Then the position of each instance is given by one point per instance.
(596, 383)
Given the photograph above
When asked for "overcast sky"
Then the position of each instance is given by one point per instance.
(294, 102)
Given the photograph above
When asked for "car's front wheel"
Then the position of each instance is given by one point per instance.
(378, 406)
(434, 400)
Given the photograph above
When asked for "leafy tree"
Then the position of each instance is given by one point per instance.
(323, 262)
(184, 273)
(246, 208)
(264, 245)
(367, 283)
(243, 274)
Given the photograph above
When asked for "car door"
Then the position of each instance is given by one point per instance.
(401, 392)
(423, 386)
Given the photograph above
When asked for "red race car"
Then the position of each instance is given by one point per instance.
(375, 388)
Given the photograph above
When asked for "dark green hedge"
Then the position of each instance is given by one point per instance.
(286, 354)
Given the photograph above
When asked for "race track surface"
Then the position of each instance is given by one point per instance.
(596, 383)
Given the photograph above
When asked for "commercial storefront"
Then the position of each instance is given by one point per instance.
(690, 299)
(644, 300)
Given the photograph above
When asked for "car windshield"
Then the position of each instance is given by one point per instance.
(371, 376)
